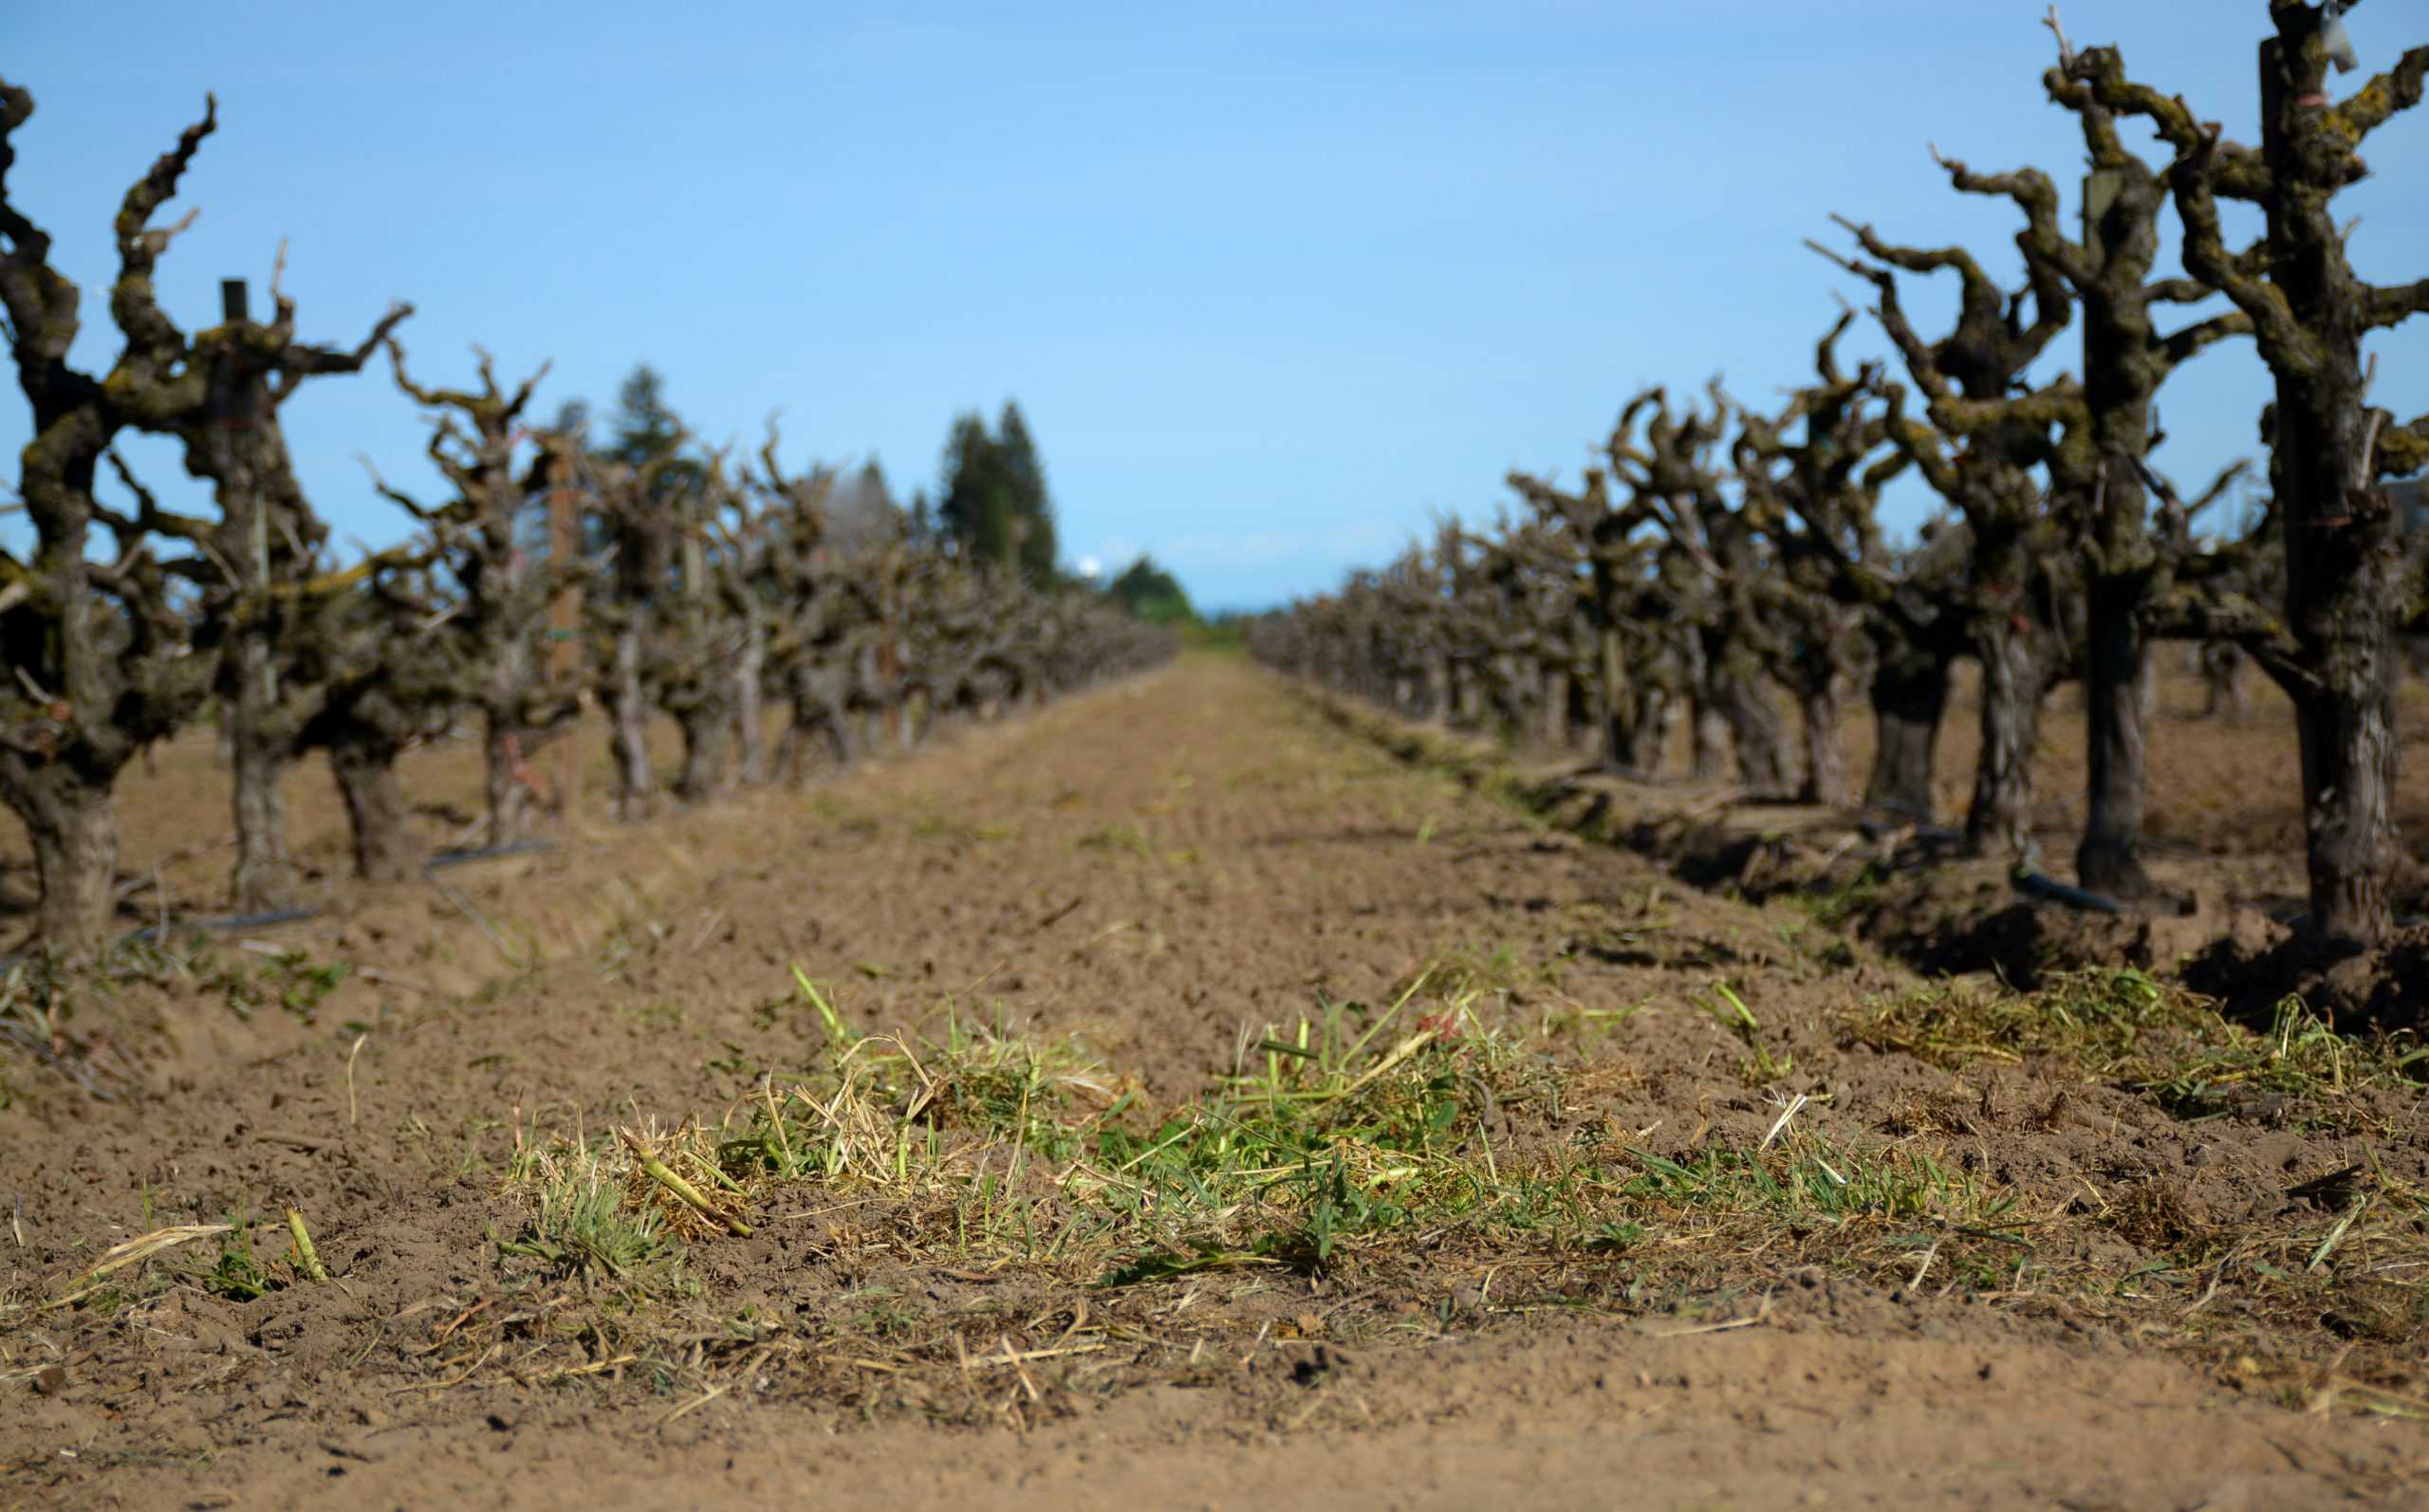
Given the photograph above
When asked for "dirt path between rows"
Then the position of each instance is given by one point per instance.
(1154, 883)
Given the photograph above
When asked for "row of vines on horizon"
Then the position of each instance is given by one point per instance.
(1722, 559)
(658, 576)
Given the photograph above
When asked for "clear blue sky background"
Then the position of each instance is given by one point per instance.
(1274, 284)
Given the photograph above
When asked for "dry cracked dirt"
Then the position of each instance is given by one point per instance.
(1174, 1099)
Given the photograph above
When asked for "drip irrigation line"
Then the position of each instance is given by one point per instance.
(2036, 885)
(458, 857)
(232, 921)
(153, 933)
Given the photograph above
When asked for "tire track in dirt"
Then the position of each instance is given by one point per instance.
(1154, 869)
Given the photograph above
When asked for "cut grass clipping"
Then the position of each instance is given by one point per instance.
(1354, 1139)
(238, 1273)
(2125, 1028)
(1417, 1146)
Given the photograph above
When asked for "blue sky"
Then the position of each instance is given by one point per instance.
(1274, 284)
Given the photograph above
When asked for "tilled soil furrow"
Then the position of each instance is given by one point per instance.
(1050, 949)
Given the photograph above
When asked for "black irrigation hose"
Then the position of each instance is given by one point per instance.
(457, 857)
(2036, 885)
(236, 920)
(151, 934)
(68, 1066)
(233, 921)
(1874, 828)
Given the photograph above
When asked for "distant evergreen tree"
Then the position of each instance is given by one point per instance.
(995, 505)
(643, 429)
(975, 512)
(872, 487)
(1152, 594)
(861, 512)
(1024, 477)
(644, 426)
(573, 418)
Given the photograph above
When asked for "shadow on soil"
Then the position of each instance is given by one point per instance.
(1901, 891)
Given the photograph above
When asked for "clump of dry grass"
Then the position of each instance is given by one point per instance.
(592, 1215)
(1340, 1142)
(2127, 1028)
(1389, 1148)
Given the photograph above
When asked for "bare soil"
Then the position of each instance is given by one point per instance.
(1864, 1241)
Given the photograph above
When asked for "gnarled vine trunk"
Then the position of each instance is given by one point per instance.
(2116, 680)
(264, 876)
(708, 734)
(1553, 695)
(2222, 668)
(2342, 563)
(2016, 679)
(1820, 712)
(1752, 725)
(364, 765)
(749, 709)
(628, 708)
(1621, 715)
(73, 824)
(503, 766)
(1909, 698)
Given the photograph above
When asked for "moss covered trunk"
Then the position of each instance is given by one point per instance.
(364, 765)
(2345, 577)
(2000, 813)
(1909, 694)
(503, 769)
(707, 724)
(629, 710)
(1621, 714)
(1755, 733)
(749, 704)
(73, 824)
(2343, 561)
(1820, 710)
(2115, 663)
(258, 761)
(2222, 668)
(817, 693)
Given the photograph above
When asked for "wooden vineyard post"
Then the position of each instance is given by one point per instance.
(888, 669)
(564, 622)
(889, 665)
